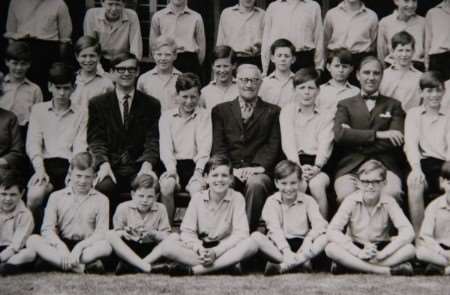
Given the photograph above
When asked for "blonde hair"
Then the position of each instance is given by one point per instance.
(164, 41)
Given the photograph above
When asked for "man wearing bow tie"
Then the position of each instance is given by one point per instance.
(123, 131)
(368, 126)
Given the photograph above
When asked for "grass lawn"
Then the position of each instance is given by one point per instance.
(140, 284)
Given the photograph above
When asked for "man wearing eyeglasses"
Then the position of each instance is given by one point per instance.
(123, 131)
(247, 131)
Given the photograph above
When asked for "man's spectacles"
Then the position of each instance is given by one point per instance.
(253, 81)
(121, 70)
(373, 182)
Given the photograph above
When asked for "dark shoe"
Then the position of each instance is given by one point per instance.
(402, 269)
(124, 268)
(434, 270)
(162, 268)
(95, 267)
(272, 269)
(7, 269)
(178, 270)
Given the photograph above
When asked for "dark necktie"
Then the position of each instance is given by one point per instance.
(369, 97)
(126, 110)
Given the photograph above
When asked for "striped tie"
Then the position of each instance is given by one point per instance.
(126, 109)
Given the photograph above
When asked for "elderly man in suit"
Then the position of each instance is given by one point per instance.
(123, 131)
(368, 126)
(247, 131)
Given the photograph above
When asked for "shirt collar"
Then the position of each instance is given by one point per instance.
(242, 103)
(315, 111)
(300, 198)
(214, 82)
(423, 110)
(20, 207)
(332, 83)
(205, 195)
(363, 7)
(359, 199)
(177, 113)
(8, 79)
(80, 80)
(442, 203)
(72, 107)
(411, 68)
(170, 10)
(443, 7)
(134, 206)
(395, 14)
(121, 95)
(377, 93)
(273, 76)
(123, 18)
(69, 192)
(155, 72)
(236, 8)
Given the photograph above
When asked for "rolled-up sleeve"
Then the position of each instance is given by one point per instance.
(272, 218)
(24, 226)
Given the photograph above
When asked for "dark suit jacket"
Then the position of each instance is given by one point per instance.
(258, 143)
(358, 143)
(108, 139)
(11, 142)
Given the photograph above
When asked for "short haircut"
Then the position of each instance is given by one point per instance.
(187, 81)
(216, 161)
(86, 42)
(368, 59)
(121, 57)
(61, 73)
(432, 79)
(304, 75)
(285, 168)
(162, 41)
(282, 43)
(18, 50)
(343, 54)
(402, 38)
(249, 67)
(223, 51)
(145, 181)
(372, 165)
(82, 161)
(11, 178)
(445, 170)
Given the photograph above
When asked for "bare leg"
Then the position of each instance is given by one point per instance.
(427, 254)
(173, 249)
(318, 187)
(98, 250)
(267, 247)
(168, 185)
(416, 203)
(403, 254)
(124, 252)
(23, 256)
(316, 248)
(46, 251)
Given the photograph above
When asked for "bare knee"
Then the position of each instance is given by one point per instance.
(422, 252)
(35, 196)
(332, 249)
(258, 181)
(33, 240)
(168, 186)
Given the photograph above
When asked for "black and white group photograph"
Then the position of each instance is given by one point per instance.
(224, 147)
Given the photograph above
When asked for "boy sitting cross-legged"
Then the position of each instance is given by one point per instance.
(75, 221)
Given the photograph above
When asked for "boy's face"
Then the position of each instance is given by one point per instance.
(82, 180)
(406, 7)
(18, 68)
(371, 184)
(9, 198)
(88, 59)
(283, 59)
(219, 179)
(247, 3)
(144, 198)
(339, 71)
(61, 92)
(288, 186)
(164, 57)
(188, 99)
(403, 54)
(248, 82)
(125, 73)
(113, 9)
(432, 97)
(223, 69)
(369, 76)
(306, 93)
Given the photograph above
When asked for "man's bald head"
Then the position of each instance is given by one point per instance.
(248, 80)
(249, 67)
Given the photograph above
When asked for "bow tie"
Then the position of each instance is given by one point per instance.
(369, 97)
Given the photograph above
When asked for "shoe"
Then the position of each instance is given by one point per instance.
(7, 269)
(95, 267)
(179, 270)
(337, 269)
(124, 268)
(402, 269)
(162, 268)
(434, 270)
(272, 269)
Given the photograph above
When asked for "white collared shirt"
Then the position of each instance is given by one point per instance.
(277, 91)
(331, 93)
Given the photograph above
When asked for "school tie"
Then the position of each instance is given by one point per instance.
(246, 111)
(126, 109)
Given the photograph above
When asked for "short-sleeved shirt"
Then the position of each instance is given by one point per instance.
(75, 217)
(437, 22)
(86, 89)
(402, 85)
(123, 35)
(298, 220)
(41, 19)
(16, 227)
(19, 98)
(127, 215)
(212, 94)
(277, 92)
(331, 93)
(160, 87)
(436, 223)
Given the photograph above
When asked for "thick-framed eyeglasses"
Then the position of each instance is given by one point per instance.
(253, 81)
(371, 182)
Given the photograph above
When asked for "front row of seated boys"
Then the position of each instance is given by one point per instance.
(214, 233)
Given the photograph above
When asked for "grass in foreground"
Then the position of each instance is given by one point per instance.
(140, 284)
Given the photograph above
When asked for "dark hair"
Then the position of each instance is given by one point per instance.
(18, 50)
(223, 51)
(432, 79)
(402, 38)
(121, 57)
(216, 161)
(305, 75)
(82, 161)
(282, 43)
(11, 178)
(343, 54)
(86, 42)
(285, 168)
(187, 81)
(61, 73)
(445, 170)
(372, 165)
(368, 59)
(145, 181)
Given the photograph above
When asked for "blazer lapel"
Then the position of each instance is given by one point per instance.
(133, 109)
(361, 111)
(236, 111)
(378, 109)
(115, 110)
(257, 112)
